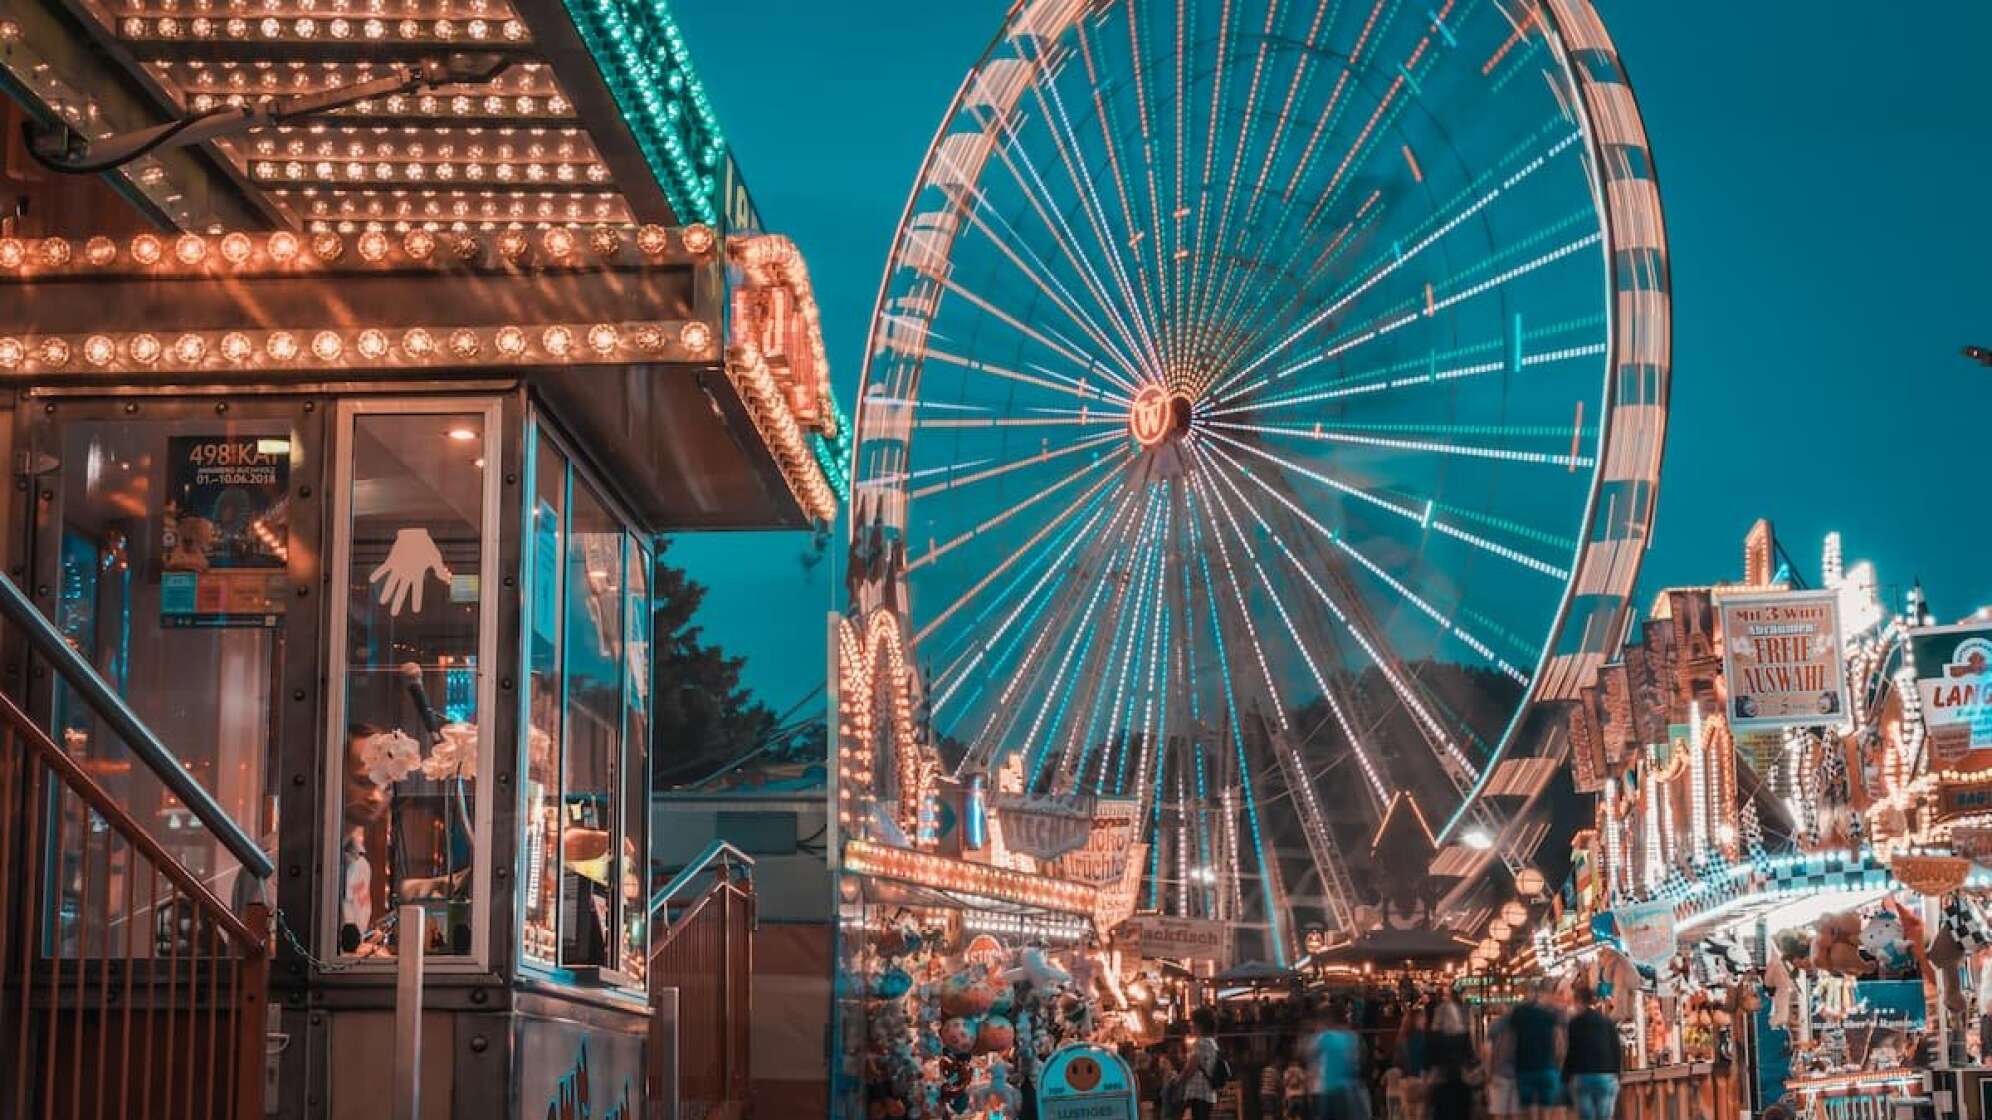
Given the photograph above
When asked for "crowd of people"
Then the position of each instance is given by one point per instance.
(1396, 1054)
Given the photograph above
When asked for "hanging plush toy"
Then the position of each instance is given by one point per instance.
(1884, 940)
(1034, 968)
(1836, 946)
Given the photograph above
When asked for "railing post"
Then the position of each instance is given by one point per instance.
(252, 1016)
(409, 945)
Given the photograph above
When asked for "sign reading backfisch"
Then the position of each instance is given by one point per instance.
(1782, 660)
(1196, 939)
(1953, 676)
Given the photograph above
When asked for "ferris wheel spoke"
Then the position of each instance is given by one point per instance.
(1381, 12)
(1341, 543)
(1048, 380)
(1023, 171)
(975, 589)
(1422, 515)
(1366, 634)
(1127, 634)
(1042, 278)
(1302, 79)
(1251, 801)
(1020, 675)
(1396, 257)
(1356, 741)
(1042, 337)
(1034, 459)
(1099, 578)
(1321, 432)
(1138, 55)
(1066, 140)
(949, 680)
(1152, 288)
(1226, 257)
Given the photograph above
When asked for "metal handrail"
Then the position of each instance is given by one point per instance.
(138, 738)
(715, 852)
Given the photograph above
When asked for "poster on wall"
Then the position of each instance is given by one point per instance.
(1782, 660)
(225, 531)
(1953, 670)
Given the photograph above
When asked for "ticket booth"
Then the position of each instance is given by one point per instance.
(361, 525)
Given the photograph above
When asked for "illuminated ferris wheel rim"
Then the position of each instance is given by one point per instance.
(1617, 505)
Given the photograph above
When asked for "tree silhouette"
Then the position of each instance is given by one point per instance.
(704, 717)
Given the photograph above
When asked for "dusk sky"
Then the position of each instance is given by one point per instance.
(1825, 171)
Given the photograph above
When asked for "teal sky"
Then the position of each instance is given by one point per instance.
(1825, 169)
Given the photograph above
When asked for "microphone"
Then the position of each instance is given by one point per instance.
(432, 720)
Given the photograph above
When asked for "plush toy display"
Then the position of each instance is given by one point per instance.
(1836, 946)
(946, 1040)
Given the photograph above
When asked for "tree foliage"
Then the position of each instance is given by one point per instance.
(704, 717)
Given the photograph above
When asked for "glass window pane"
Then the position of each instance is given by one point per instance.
(593, 740)
(547, 560)
(172, 582)
(636, 773)
(414, 585)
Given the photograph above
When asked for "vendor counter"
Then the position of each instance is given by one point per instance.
(1694, 1091)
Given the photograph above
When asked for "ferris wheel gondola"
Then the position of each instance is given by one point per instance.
(1266, 400)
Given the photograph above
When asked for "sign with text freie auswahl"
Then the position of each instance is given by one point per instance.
(1782, 660)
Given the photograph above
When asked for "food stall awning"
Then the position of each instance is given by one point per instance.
(594, 115)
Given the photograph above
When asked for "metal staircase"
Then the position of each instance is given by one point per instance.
(126, 987)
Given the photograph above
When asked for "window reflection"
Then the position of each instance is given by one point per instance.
(593, 740)
(545, 555)
(415, 561)
(172, 582)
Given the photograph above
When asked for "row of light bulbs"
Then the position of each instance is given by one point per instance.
(193, 349)
(862, 857)
(417, 171)
(403, 204)
(309, 28)
(558, 245)
(426, 105)
(373, 7)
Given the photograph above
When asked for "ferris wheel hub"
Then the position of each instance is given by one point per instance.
(1158, 415)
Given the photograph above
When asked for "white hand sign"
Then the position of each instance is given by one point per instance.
(406, 569)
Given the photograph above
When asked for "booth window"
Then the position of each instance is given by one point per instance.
(172, 558)
(409, 641)
(548, 522)
(635, 776)
(588, 703)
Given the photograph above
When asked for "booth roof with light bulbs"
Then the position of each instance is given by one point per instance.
(350, 364)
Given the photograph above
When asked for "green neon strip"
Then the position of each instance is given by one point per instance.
(643, 60)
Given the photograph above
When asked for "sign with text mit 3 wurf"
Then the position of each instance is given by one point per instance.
(1782, 661)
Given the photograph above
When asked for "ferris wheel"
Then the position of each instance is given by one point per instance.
(1266, 399)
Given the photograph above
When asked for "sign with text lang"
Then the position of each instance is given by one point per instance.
(1158, 936)
(1782, 662)
(1953, 674)
(1086, 1082)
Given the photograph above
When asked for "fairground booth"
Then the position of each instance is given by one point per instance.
(1780, 897)
(344, 411)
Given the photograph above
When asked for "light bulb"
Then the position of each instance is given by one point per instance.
(191, 248)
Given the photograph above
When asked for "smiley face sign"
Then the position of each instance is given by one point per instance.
(1086, 1082)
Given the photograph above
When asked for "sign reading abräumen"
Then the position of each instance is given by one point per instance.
(1086, 1082)
(1159, 936)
